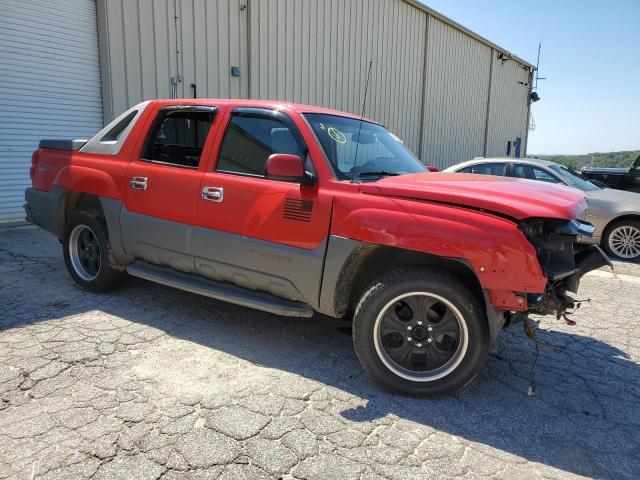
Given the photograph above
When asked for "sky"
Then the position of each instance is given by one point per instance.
(590, 101)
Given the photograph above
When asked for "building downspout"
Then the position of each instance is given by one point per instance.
(424, 90)
(175, 80)
(248, 26)
(106, 86)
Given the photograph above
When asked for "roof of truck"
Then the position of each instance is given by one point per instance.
(273, 104)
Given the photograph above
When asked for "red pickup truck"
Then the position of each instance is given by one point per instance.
(293, 209)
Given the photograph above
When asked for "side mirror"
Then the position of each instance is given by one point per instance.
(288, 168)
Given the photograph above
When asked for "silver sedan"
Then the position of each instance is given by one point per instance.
(615, 213)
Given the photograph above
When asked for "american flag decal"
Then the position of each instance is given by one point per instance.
(295, 209)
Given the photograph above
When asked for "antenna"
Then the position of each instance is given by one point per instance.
(538, 77)
(364, 103)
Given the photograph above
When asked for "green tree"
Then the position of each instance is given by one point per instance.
(622, 159)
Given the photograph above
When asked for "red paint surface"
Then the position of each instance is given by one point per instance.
(516, 198)
(437, 213)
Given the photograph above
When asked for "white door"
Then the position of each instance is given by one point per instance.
(49, 85)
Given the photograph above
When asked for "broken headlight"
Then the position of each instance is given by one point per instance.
(562, 259)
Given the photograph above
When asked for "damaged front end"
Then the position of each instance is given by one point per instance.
(563, 260)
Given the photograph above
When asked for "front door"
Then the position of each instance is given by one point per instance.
(259, 233)
(163, 187)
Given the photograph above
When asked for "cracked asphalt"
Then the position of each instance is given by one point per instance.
(150, 382)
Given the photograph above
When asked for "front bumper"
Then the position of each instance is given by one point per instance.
(564, 259)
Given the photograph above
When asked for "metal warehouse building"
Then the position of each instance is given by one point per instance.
(67, 67)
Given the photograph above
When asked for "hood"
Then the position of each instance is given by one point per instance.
(630, 200)
(512, 197)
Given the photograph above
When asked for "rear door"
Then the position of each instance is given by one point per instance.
(161, 200)
(531, 172)
(256, 232)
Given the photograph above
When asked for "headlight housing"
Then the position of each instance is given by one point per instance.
(555, 243)
(562, 259)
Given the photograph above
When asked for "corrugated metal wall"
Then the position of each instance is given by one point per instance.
(456, 95)
(146, 45)
(318, 52)
(430, 81)
(508, 111)
(49, 86)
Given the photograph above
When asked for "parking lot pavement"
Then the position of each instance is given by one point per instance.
(148, 382)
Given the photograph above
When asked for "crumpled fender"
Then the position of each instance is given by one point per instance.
(504, 195)
(503, 260)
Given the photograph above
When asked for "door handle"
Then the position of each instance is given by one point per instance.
(213, 194)
(138, 183)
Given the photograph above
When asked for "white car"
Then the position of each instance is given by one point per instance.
(615, 213)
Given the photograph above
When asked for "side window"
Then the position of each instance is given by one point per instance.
(178, 137)
(498, 169)
(116, 131)
(534, 173)
(544, 176)
(250, 139)
(465, 170)
(523, 171)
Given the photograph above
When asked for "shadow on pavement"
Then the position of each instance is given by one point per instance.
(584, 418)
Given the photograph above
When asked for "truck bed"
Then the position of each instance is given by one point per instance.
(63, 144)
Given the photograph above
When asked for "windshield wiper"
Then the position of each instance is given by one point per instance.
(375, 173)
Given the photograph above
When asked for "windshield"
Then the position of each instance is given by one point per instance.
(573, 179)
(362, 152)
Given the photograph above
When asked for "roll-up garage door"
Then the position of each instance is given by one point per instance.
(49, 85)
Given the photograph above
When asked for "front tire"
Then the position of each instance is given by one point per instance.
(86, 253)
(622, 240)
(420, 332)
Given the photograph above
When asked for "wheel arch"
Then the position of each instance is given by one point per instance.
(79, 201)
(368, 263)
(620, 218)
(604, 241)
(108, 210)
(67, 201)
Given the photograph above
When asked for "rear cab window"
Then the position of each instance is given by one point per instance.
(178, 136)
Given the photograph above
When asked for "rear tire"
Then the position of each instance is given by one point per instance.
(621, 240)
(419, 332)
(86, 253)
